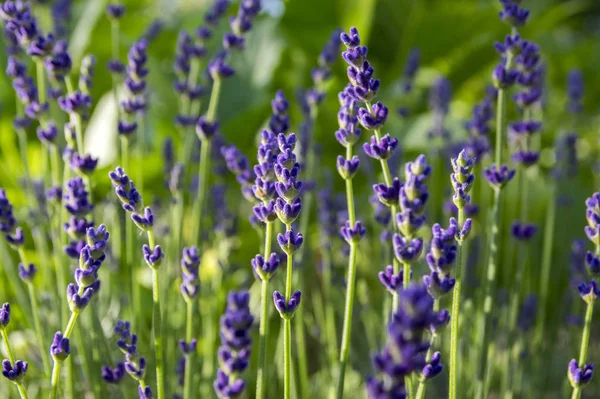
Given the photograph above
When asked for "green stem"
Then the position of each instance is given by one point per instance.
(58, 363)
(287, 358)
(200, 200)
(189, 334)
(489, 289)
(264, 321)
(585, 339)
(22, 391)
(36, 315)
(546, 262)
(157, 326)
(454, 317)
(350, 291)
(11, 357)
(422, 383)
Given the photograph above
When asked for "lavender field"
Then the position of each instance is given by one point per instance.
(299, 199)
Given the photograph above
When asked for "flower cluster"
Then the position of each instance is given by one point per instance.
(190, 265)
(462, 179)
(131, 199)
(441, 259)
(135, 365)
(77, 203)
(478, 127)
(135, 82)
(8, 223)
(236, 345)
(406, 345)
(91, 257)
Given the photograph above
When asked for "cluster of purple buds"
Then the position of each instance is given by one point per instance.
(14, 373)
(241, 24)
(411, 195)
(135, 365)
(440, 96)
(76, 201)
(478, 127)
(498, 177)
(322, 73)
(86, 73)
(442, 257)
(265, 268)
(575, 90)
(360, 72)
(238, 164)
(8, 223)
(131, 199)
(60, 348)
(115, 11)
(91, 257)
(26, 91)
(190, 265)
(462, 179)
(20, 21)
(512, 14)
(58, 64)
(406, 345)
(236, 345)
(135, 82)
(4, 315)
(592, 231)
(76, 103)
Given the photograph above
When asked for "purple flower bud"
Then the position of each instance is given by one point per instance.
(206, 129)
(115, 67)
(374, 119)
(288, 212)
(381, 150)
(392, 282)
(498, 177)
(144, 222)
(4, 315)
(438, 284)
(48, 134)
(115, 10)
(589, 292)
(388, 195)
(440, 321)
(27, 273)
(60, 348)
(290, 241)
(513, 15)
(433, 368)
(580, 376)
(407, 251)
(16, 373)
(16, 239)
(137, 370)
(502, 78)
(264, 269)
(59, 64)
(347, 168)
(113, 376)
(154, 257)
(187, 348)
(287, 310)
(83, 165)
(78, 302)
(523, 231)
(218, 67)
(265, 212)
(353, 233)
(75, 102)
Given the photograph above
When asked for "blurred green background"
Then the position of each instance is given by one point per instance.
(455, 39)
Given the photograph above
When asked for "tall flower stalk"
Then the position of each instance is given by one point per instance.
(498, 174)
(462, 182)
(266, 212)
(580, 373)
(143, 218)
(12, 369)
(190, 285)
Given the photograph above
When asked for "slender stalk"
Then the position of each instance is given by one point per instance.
(264, 321)
(350, 291)
(22, 391)
(585, 339)
(189, 327)
(11, 357)
(58, 363)
(37, 325)
(287, 358)
(157, 326)
(546, 262)
(454, 318)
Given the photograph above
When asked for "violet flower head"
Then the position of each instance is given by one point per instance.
(130, 198)
(86, 74)
(322, 73)
(407, 250)
(83, 165)
(236, 345)
(59, 63)
(438, 284)
(27, 273)
(360, 72)
(405, 347)
(512, 14)
(523, 231)
(462, 179)
(498, 177)
(433, 368)
(392, 282)
(241, 24)
(443, 252)
(412, 196)
(4, 315)
(265, 268)
(575, 91)
(216, 12)
(352, 233)
(115, 11)
(503, 78)
(153, 257)
(287, 310)
(349, 132)
(190, 266)
(8, 222)
(14, 373)
(219, 68)
(113, 375)
(60, 348)
(380, 149)
(580, 376)
(76, 198)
